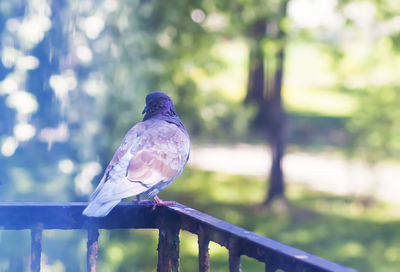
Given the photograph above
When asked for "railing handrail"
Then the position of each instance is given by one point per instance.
(169, 220)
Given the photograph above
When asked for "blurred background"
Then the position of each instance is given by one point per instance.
(292, 107)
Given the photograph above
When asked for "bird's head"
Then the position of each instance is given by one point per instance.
(158, 103)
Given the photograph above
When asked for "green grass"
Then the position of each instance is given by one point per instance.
(353, 232)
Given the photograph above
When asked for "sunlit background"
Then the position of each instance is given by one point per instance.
(74, 74)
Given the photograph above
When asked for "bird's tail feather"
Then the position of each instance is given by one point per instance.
(100, 209)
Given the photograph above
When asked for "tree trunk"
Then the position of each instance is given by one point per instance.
(277, 129)
(255, 83)
(265, 89)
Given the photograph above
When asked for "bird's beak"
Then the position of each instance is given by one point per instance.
(144, 110)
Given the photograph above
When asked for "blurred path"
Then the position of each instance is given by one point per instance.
(326, 173)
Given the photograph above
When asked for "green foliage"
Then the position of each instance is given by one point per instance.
(375, 127)
(163, 46)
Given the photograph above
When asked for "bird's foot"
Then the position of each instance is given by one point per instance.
(160, 202)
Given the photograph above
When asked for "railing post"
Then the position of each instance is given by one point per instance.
(270, 265)
(270, 268)
(234, 256)
(92, 249)
(168, 248)
(36, 249)
(204, 256)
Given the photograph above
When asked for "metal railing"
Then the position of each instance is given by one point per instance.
(169, 221)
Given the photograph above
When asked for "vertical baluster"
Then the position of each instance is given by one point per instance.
(168, 249)
(270, 267)
(36, 249)
(234, 256)
(92, 249)
(204, 256)
(270, 264)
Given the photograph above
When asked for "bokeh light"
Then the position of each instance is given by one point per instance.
(24, 132)
(23, 102)
(8, 146)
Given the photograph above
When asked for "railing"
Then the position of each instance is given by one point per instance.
(169, 221)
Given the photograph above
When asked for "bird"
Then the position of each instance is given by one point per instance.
(151, 156)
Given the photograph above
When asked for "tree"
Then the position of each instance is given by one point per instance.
(266, 37)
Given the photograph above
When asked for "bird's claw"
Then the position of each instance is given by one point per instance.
(160, 202)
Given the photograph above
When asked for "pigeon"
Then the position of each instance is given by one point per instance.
(151, 156)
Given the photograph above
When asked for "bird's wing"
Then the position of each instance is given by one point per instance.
(131, 138)
(153, 155)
